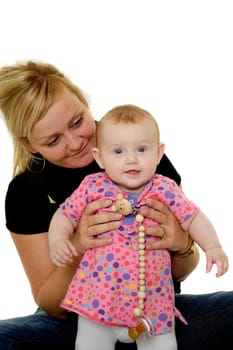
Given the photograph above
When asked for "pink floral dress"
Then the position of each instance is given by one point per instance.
(105, 285)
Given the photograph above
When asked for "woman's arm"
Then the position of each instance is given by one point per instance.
(49, 283)
(183, 266)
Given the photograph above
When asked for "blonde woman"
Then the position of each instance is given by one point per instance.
(53, 132)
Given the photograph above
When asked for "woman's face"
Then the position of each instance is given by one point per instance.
(66, 134)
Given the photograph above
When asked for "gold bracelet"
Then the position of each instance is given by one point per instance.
(189, 250)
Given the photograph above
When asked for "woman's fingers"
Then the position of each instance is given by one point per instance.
(169, 231)
(97, 229)
(159, 231)
(92, 207)
(99, 223)
(92, 224)
(156, 211)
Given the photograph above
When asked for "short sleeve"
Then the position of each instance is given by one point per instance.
(27, 207)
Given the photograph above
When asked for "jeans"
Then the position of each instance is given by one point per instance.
(209, 316)
(210, 321)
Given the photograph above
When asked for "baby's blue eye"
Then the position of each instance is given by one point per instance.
(118, 151)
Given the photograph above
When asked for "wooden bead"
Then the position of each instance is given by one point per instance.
(139, 218)
(134, 332)
(137, 312)
(141, 295)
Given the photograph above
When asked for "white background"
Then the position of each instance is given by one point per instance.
(171, 57)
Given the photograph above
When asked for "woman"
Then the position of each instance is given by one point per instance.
(53, 132)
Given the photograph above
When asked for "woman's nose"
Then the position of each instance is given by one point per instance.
(74, 141)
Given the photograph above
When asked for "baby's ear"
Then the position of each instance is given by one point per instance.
(97, 155)
(161, 151)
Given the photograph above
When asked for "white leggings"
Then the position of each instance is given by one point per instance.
(93, 335)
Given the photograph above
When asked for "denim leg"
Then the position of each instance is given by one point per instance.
(210, 321)
(42, 332)
(38, 332)
(209, 316)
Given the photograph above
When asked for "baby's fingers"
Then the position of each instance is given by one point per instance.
(221, 264)
(222, 267)
(209, 264)
(61, 261)
(71, 251)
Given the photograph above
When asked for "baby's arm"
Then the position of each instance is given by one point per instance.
(204, 234)
(60, 230)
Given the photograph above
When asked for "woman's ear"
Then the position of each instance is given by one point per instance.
(161, 151)
(26, 144)
(97, 156)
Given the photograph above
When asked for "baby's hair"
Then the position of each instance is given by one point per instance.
(128, 114)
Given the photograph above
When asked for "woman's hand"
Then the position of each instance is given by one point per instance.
(91, 225)
(172, 238)
(171, 234)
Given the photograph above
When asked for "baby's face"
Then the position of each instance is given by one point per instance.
(129, 153)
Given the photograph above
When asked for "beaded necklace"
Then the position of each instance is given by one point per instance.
(124, 207)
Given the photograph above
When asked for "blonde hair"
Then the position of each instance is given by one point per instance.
(27, 91)
(126, 114)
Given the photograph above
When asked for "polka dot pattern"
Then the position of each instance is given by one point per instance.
(105, 285)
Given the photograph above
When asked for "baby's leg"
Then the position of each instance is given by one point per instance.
(157, 342)
(93, 335)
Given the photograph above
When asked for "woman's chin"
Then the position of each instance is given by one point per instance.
(77, 162)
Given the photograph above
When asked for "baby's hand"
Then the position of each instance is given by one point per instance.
(62, 252)
(217, 256)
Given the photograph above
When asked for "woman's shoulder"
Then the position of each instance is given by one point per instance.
(27, 207)
(23, 182)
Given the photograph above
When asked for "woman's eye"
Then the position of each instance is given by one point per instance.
(77, 121)
(53, 142)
